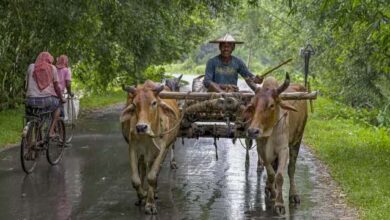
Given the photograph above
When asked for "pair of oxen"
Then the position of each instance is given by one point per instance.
(150, 127)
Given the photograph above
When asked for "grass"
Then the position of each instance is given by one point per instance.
(98, 101)
(358, 156)
(11, 121)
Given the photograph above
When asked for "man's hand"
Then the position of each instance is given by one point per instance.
(258, 79)
(214, 87)
(229, 88)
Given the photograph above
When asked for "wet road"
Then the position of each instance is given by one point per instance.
(93, 182)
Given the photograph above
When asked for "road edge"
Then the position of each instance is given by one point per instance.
(8, 147)
(350, 211)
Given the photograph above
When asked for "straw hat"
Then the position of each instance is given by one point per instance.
(227, 38)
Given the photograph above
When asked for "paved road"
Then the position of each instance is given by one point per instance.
(93, 182)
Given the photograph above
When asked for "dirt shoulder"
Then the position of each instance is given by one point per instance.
(326, 188)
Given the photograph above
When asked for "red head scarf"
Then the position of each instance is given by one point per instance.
(62, 61)
(43, 72)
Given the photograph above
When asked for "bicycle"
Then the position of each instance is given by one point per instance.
(70, 116)
(36, 140)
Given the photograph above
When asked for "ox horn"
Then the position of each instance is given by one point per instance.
(251, 84)
(129, 89)
(285, 85)
(179, 78)
(158, 89)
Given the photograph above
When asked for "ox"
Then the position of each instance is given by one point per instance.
(174, 85)
(149, 125)
(278, 128)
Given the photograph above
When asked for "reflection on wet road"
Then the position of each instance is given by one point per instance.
(93, 182)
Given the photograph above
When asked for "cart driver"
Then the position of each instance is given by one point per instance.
(222, 70)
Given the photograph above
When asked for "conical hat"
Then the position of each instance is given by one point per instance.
(227, 38)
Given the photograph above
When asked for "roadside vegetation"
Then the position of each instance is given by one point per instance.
(357, 153)
(11, 120)
(103, 100)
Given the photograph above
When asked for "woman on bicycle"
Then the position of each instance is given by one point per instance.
(42, 89)
(64, 74)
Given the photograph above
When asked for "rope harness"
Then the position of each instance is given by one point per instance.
(161, 134)
(177, 124)
(276, 123)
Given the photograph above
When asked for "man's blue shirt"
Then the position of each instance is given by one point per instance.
(221, 73)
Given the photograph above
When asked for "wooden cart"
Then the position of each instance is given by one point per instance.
(217, 115)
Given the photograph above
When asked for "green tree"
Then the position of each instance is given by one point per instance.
(107, 41)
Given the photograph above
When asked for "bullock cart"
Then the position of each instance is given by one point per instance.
(218, 115)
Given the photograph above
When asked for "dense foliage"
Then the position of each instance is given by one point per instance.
(108, 41)
(111, 42)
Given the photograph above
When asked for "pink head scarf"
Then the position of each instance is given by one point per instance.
(62, 61)
(43, 72)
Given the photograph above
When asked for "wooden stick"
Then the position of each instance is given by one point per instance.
(276, 67)
(213, 95)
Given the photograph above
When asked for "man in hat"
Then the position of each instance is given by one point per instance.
(222, 70)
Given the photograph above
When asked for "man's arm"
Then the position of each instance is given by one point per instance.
(256, 79)
(243, 70)
(248, 76)
(209, 74)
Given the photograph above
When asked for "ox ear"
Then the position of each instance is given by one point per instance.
(248, 111)
(127, 113)
(158, 89)
(179, 78)
(167, 109)
(287, 106)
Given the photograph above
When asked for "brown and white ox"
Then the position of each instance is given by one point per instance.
(149, 127)
(278, 128)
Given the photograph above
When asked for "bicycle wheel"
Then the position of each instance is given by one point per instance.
(28, 153)
(70, 122)
(55, 146)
